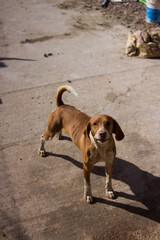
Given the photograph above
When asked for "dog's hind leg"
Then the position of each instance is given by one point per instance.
(41, 150)
(54, 126)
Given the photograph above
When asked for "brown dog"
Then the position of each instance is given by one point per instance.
(92, 135)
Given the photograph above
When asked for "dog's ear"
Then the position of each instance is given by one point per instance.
(117, 130)
(87, 130)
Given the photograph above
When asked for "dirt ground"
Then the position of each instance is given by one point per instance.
(48, 43)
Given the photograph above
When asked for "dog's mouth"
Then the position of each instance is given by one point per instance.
(102, 140)
(101, 136)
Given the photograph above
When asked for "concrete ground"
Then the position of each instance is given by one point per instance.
(46, 44)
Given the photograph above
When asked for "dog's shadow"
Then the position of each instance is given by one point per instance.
(144, 185)
(66, 138)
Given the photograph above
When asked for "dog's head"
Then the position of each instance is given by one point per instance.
(101, 128)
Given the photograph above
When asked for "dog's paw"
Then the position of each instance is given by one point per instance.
(110, 194)
(42, 153)
(89, 199)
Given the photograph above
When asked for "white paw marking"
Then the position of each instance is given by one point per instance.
(41, 153)
(110, 194)
(89, 199)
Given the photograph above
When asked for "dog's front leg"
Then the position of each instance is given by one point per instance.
(108, 170)
(59, 135)
(87, 187)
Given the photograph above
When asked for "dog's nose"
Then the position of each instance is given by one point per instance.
(102, 134)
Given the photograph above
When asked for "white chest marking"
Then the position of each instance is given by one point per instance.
(98, 156)
(100, 153)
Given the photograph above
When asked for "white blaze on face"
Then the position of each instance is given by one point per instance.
(102, 130)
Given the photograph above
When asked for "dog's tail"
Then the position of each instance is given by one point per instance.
(60, 91)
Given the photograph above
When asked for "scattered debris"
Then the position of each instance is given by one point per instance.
(48, 54)
(143, 1)
(105, 2)
(40, 39)
(153, 11)
(144, 44)
(116, 1)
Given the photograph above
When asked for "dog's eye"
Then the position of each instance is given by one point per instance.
(108, 123)
(94, 124)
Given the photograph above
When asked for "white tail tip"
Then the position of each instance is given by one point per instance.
(71, 89)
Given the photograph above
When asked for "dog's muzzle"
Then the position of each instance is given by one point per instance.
(102, 136)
